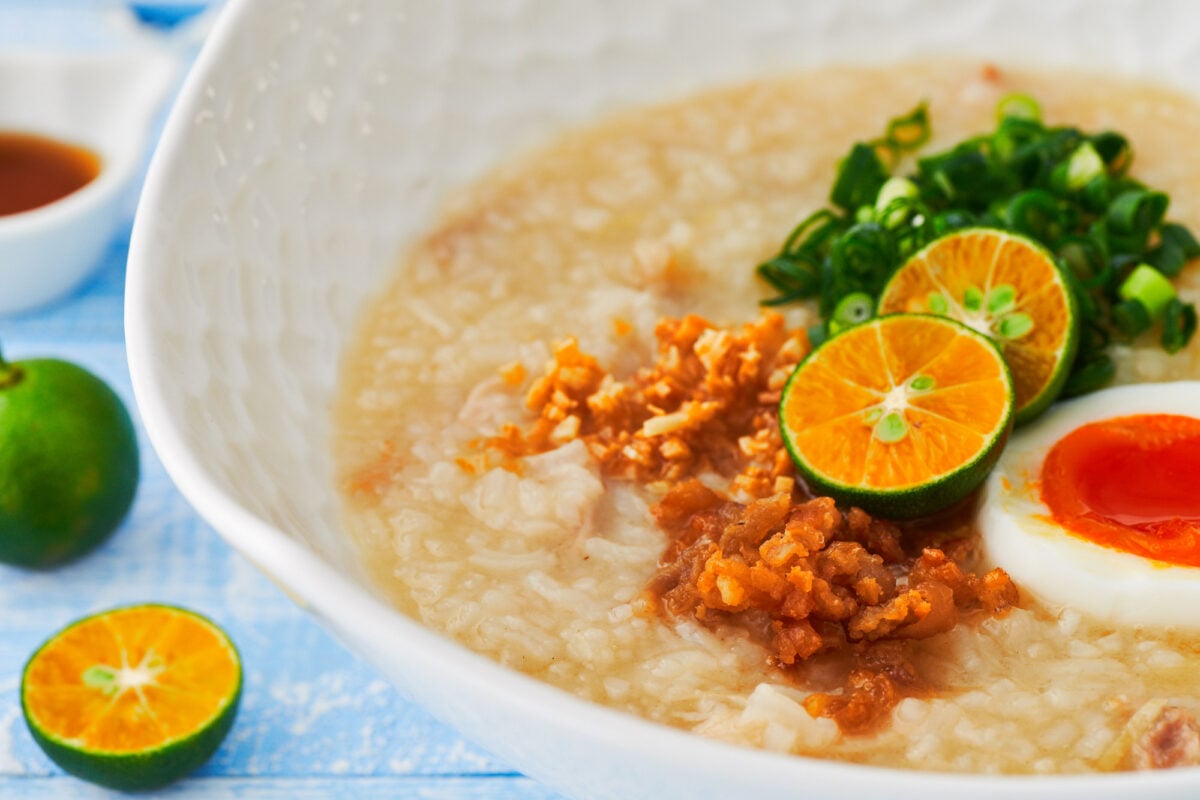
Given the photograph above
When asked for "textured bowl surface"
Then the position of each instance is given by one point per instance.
(314, 138)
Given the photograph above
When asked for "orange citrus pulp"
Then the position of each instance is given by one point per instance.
(1006, 287)
(135, 692)
(902, 416)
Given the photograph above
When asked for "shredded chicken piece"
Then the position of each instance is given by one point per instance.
(824, 579)
(1172, 740)
(708, 403)
(1158, 736)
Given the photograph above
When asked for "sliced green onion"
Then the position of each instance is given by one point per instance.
(1179, 323)
(909, 131)
(1036, 213)
(1065, 188)
(861, 261)
(1096, 194)
(1094, 339)
(1083, 255)
(1133, 214)
(1131, 318)
(858, 179)
(1084, 166)
(1018, 105)
(813, 230)
(1148, 286)
(1176, 247)
(854, 309)
(1182, 238)
(894, 201)
(1114, 149)
(796, 277)
(949, 221)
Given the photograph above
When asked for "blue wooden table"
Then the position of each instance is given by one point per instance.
(315, 721)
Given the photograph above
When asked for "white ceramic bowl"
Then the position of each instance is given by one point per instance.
(314, 138)
(104, 102)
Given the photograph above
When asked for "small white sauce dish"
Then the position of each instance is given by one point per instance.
(104, 102)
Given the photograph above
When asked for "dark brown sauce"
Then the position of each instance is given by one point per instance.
(36, 170)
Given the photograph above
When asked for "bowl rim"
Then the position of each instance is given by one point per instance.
(296, 570)
(118, 164)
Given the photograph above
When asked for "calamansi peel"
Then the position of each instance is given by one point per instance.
(68, 462)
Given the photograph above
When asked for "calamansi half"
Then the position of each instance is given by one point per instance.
(68, 461)
(133, 698)
(901, 416)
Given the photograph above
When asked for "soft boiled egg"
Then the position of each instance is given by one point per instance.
(1096, 506)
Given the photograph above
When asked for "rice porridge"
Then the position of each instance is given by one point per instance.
(658, 214)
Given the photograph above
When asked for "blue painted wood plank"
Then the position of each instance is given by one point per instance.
(500, 787)
(315, 720)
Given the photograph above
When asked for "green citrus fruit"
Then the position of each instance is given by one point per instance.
(133, 698)
(1006, 287)
(68, 462)
(901, 416)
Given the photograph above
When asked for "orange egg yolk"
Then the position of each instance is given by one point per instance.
(1130, 483)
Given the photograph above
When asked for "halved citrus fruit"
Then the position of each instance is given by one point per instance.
(132, 698)
(901, 416)
(1004, 286)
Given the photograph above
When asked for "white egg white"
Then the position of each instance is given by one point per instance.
(1060, 568)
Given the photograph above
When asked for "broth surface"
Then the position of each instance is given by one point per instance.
(664, 212)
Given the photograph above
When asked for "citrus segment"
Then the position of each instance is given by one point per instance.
(132, 698)
(916, 435)
(912, 346)
(847, 463)
(962, 405)
(832, 397)
(1006, 287)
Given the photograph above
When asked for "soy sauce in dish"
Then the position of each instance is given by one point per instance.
(37, 170)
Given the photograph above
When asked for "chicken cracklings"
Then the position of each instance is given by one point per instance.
(804, 576)
(815, 579)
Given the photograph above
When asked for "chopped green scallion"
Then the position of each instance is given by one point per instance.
(858, 179)
(1018, 105)
(1067, 189)
(895, 201)
(1084, 166)
(1131, 318)
(1148, 286)
(854, 309)
(1179, 324)
(910, 131)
